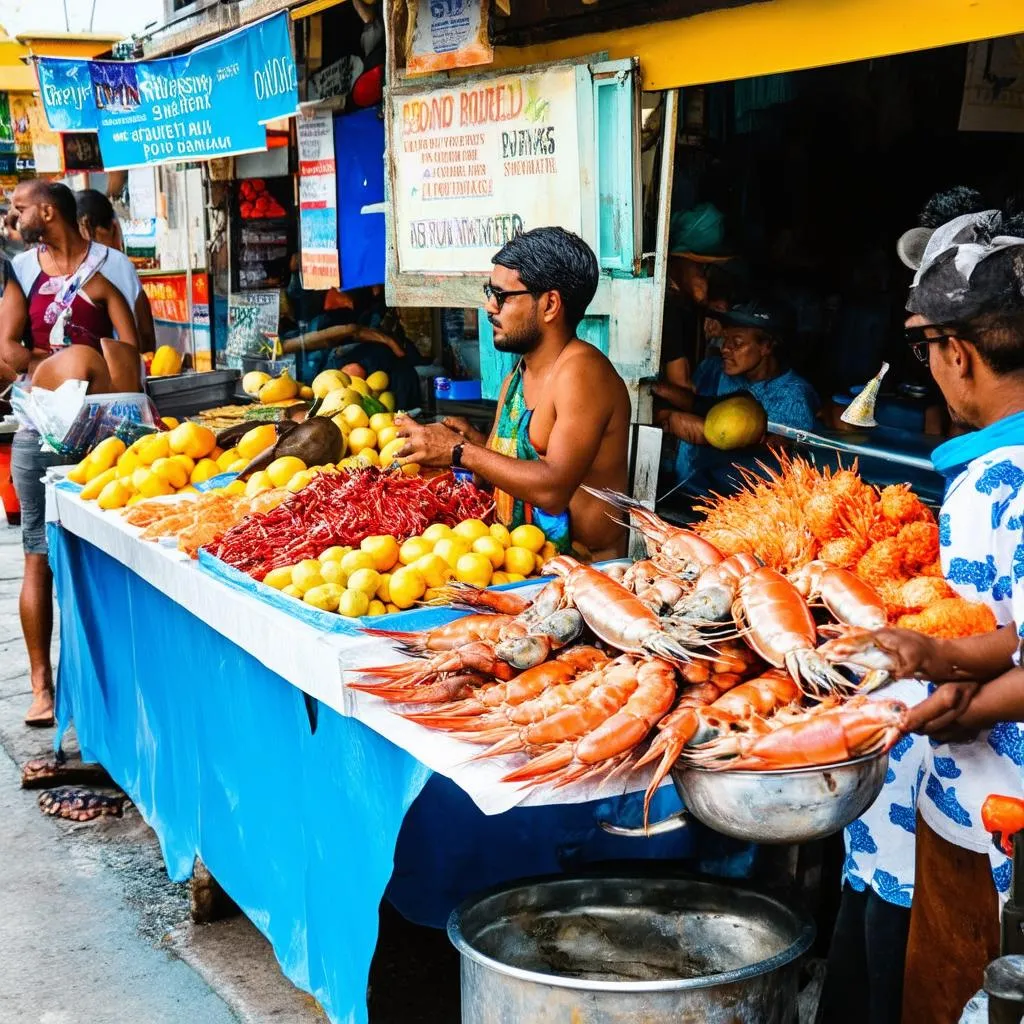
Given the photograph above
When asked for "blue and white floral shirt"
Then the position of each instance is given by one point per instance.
(981, 536)
(880, 843)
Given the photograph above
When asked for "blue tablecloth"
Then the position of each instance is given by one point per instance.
(304, 831)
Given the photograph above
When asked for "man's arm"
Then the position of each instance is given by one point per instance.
(144, 323)
(14, 357)
(583, 409)
(120, 312)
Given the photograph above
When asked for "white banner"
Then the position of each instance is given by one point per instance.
(318, 202)
(477, 163)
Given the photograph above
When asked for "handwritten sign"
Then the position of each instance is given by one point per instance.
(477, 163)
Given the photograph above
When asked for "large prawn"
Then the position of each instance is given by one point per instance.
(610, 744)
(705, 710)
(779, 626)
(716, 589)
(818, 737)
(673, 548)
(848, 598)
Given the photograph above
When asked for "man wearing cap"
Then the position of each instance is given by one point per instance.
(967, 323)
(753, 335)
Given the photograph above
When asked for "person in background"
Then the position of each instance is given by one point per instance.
(98, 222)
(754, 335)
(12, 321)
(71, 312)
(563, 412)
(696, 245)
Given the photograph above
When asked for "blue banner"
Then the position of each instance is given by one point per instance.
(210, 103)
(359, 156)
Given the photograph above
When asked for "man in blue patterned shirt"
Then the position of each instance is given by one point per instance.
(968, 324)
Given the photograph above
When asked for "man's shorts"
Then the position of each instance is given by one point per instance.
(29, 464)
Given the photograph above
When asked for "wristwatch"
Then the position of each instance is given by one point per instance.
(457, 455)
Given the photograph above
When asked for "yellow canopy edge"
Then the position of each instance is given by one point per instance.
(783, 35)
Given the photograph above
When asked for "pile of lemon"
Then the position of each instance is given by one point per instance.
(364, 413)
(382, 576)
(171, 462)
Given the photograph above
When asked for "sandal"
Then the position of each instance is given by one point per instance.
(46, 772)
(81, 804)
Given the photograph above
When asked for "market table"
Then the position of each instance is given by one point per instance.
(193, 694)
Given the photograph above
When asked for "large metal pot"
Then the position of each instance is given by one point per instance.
(791, 806)
(624, 950)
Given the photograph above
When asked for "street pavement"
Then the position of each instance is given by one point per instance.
(92, 931)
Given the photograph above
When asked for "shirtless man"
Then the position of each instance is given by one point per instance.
(563, 413)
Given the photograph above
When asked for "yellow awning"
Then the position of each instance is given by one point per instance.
(17, 78)
(307, 10)
(783, 35)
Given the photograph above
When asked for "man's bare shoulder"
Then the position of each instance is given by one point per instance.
(584, 362)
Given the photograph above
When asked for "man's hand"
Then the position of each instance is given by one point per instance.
(937, 715)
(687, 426)
(913, 655)
(462, 426)
(427, 444)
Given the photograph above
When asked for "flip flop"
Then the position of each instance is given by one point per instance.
(41, 723)
(47, 772)
(76, 804)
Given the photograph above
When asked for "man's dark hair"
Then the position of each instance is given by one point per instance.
(556, 260)
(59, 196)
(998, 339)
(96, 207)
(953, 202)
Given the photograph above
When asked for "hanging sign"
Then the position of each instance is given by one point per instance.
(81, 152)
(212, 102)
(21, 123)
(448, 34)
(477, 163)
(318, 202)
(253, 321)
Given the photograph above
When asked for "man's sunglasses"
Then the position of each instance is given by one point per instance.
(919, 341)
(499, 295)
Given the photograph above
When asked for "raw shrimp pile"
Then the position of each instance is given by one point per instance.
(887, 537)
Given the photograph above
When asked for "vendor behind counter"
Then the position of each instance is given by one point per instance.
(752, 360)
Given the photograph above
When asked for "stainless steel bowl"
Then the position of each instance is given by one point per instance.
(792, 806)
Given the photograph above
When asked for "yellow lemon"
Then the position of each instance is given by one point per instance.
(232, 455)
(354, 603)
(386, 435)
(332, 572)
(413, 548)
(518, 560)
(499, 578)
(283, 469)
(411, 468)
(378, 381)
(529, 537)
(279, 578)
(392, 608)
(170, 422)
(475, 569)
(153, 447)
(336, 553)
(235, 488)
(516, 577)
(257, 440)
(151, 486)
(106, 454)
(306, 574)
(342, 424)
(258, 483)
(327, 381)
(305, 392)
(365, 580)
(114, 495)
(389, 452)
(451, 549)
(360, 385)
(170, 472)
(362, 437)
(407, 587)
(437, 531)
(193, 440)
(238, 465)
(387, 399)
(78, 474)
(436, 572)
(436, 595)
(471, 529)
(300, 480)
(377, 608)
(383, 550)
(134, 500)
(292, 591)
(492, 549)
(548, 551)
(368, 457)
(384, 587)
(253, 381)
(187, 461)
(355, 416)
(326, 596)
(500, 533)
(381, 421)
(206, 469)
(357, 560)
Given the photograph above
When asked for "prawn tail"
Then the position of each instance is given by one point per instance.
(816, 677)
(410, 643)
(546, 767)
(663, 646)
